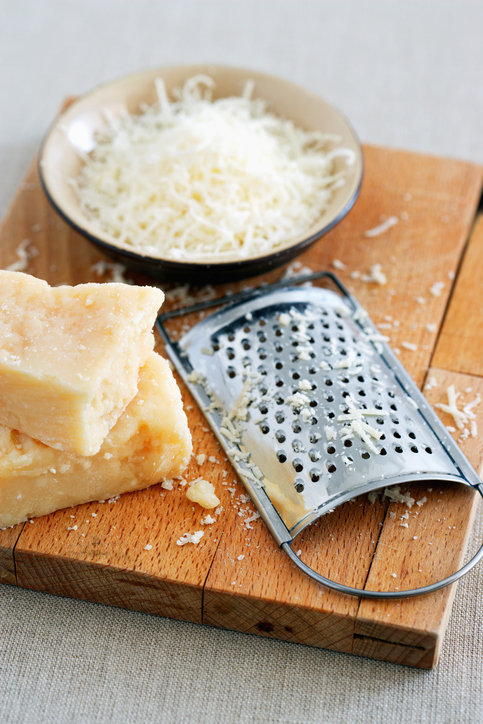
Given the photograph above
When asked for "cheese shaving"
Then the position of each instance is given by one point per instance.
(196, 179)
(190, 538)
(451, 408)
(391, 221)
(375, 275)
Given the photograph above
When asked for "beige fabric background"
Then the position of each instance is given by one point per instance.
(408, 75)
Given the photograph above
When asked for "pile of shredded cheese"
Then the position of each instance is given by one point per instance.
(201, 180)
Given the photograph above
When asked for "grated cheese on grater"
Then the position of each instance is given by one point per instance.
(202, 180)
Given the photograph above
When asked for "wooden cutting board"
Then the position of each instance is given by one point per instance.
(237, 578)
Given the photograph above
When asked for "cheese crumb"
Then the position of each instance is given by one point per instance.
(203, 493)
(460, 417)
(148, 547)
(190, 538)
(410, 346)
(381, 228)
(436, 289)
(337, 264)
(208, 520)
(24, 252)
(330, 432)
(200, 459)
(375, 275)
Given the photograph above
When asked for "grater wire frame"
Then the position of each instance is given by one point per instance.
(282, 534)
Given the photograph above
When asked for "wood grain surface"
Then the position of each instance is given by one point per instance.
(236, 577)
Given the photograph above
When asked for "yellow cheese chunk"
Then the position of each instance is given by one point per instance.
(203, 493)
(149, 443)
(70, 357)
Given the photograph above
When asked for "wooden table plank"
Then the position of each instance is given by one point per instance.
(254, 587)
(461, 342)
(442, 527)
(104, 560)
(435, 201)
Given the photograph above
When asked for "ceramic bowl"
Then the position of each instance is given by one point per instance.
(74, 133)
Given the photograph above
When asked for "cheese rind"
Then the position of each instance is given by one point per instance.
(149, 443)
(70, 357)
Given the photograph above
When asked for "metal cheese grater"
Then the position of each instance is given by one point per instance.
(311, 407)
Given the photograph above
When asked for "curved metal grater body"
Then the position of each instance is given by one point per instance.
(310, 405)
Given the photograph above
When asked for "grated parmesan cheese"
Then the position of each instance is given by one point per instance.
(375, 275)
(409, 346)
(437, 289)
(203, 493)
(338, 264)
(190, 538)
(381, 228)
(451, 408)
(196, 179)
(25, 251)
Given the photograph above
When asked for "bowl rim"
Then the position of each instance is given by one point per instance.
(176, 264)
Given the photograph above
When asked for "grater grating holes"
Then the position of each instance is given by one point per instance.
(298, 465)
(349, 386)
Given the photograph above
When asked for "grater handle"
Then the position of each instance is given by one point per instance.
(341, 588)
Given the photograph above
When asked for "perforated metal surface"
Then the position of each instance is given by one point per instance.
(309, 411)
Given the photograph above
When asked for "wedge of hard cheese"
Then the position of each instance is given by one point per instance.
(70, 357)
(149, 443)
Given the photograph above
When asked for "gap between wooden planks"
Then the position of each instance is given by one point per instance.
(435, 201)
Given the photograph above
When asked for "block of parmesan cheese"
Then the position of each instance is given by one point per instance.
(149, 443)
(70, 357)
